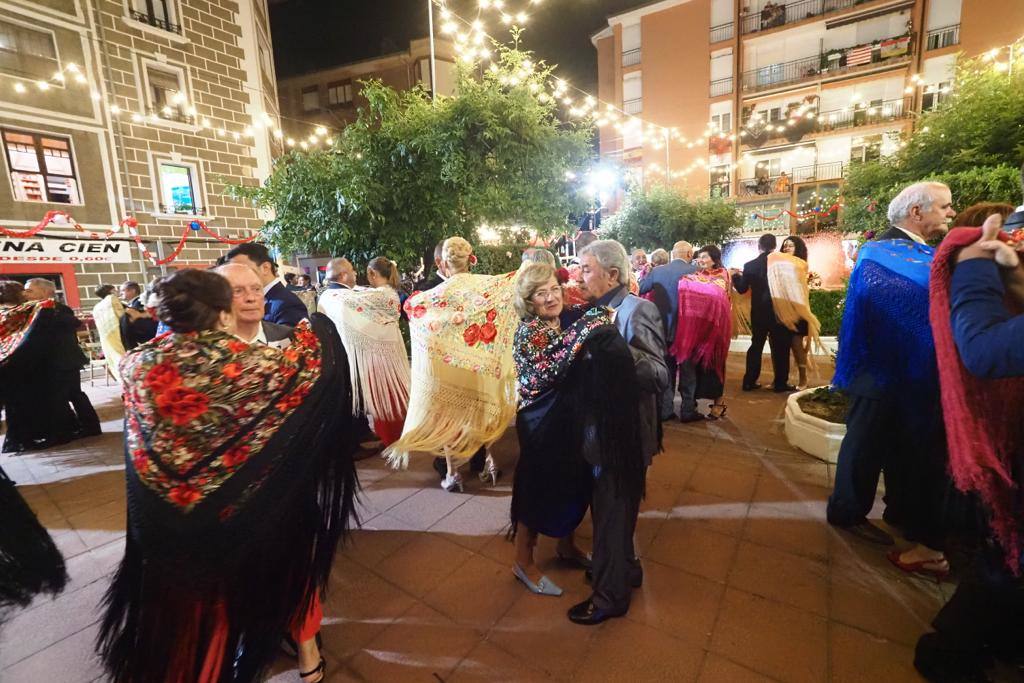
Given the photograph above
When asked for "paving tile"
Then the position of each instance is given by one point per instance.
(634, 652)
(682, 605)
(732, 485)
(487, 662)
(71, 660)
(377, 539)
(480, 595)
(426, 507)
(788, 527)
(772, 489)
(718, 669)
(781, 576)
(770, 638)
(421, 564)
(711, 512)
(694, 549)
(473, 524)
(859, 657)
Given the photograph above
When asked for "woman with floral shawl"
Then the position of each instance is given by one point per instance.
(29, 561)
(107, 314)
(702, 338)
(367, 320)
(788, 284)
(240, 485)
(463, 380)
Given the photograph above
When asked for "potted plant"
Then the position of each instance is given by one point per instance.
(815, 422)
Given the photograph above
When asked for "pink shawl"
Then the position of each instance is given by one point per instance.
(705, 320)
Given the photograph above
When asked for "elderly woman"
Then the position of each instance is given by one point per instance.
(463, 379)
(701, 346)
(552, 486)
(240, 485)
(659, 257)
(367, 320)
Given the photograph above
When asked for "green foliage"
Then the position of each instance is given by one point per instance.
(663, 215)
(495, 259)
(827, 403)
(974, 143)
(410, 172)
(827, 306)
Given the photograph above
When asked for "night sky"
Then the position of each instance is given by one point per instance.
(313, 34)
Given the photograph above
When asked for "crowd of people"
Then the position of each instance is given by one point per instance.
(240, 403)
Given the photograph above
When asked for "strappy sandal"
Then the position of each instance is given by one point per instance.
(321, 669)
(713, 415)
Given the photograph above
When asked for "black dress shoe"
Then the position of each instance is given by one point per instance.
(588, 614)
(636, 578)
(669, 418)
(751, 387)
(696, 417)
(866, 531)
(784, 389)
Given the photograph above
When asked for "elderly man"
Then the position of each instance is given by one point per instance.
(438, 277)
(247, 307)
(281, 306)
(137, 325)
(763, 323)
(65, 360)
(339, 274)
(663, 283)
(605, 271)
(876, 438)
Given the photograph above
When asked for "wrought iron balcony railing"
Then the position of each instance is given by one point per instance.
(631, 57)
(723, 86)
(790, 13)
(634, 106)
(155, 21)
(722, 32)
(946, 36)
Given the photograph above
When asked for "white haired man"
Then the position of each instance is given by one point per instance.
(605, 270)
(874, 440)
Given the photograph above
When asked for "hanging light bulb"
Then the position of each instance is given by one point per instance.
(19, 88)
(43, 85)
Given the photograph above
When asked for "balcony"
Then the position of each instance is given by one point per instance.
(807, 174)
(634, 106)
(172, 114)
(864, 114)
(723, 86)
(722, 32)
(826, 65)
(939, 38)
(154, 21)
(631, 57)
(791, 13)
(765, 186)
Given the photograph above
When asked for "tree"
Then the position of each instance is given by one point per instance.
(974, 142)
(410, 172)
(662, 215)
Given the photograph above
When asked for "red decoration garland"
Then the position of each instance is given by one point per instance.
(798, 216)
(130, 224)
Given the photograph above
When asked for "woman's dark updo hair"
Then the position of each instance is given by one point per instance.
(192, 300)
(714, 252)
(11, 292)
(103, 291)
(799, 246)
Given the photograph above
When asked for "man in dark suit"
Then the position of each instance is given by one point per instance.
(664, 281)
(281, 306)
(137, 325)
(247, 307)
(437, 277)
(919, 213)
(339, 274)
(66, 360)
(616, 568)
(764, 324)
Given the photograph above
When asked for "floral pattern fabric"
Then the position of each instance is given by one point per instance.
(198, 406)
(16, 323)
(543, 354)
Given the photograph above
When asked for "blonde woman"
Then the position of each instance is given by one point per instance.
(463, 379)
(367, 321)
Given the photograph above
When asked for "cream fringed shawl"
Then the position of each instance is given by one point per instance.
(107, 315)
(464, 380)
(787, 282)
(367, 321)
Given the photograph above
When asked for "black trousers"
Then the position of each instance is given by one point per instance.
(614, 558)
(985, 615)
(668, 397)
(913, 458)
(779, 339)
(70, 385)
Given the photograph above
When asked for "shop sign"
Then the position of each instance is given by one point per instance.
(64, 251)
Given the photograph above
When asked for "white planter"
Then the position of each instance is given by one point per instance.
(741, 343)
(810, 434)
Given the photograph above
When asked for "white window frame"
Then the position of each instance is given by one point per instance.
(306, 90)
(347, 88)
(942, 91)
(74, 164)
(195, 165)
(145, 91)
(173, 8)
(56, 50)
(717, 119)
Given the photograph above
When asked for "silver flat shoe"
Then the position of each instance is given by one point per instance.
(543, 587)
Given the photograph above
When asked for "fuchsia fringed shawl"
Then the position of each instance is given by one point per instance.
(984, 418)
(705, 320)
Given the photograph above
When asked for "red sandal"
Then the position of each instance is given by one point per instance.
(919, 568)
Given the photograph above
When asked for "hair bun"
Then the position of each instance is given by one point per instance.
(192, 300)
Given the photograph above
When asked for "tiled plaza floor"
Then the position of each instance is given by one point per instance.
(744, 580)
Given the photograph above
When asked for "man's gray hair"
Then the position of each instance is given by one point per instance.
(335, 267)
(918, 194)
(610, 254)
(43, 283)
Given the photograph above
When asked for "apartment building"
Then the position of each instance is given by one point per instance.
(111, 108)
(331, 97)
(769, 102)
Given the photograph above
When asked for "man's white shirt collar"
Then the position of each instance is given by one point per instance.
(267, 288)
(260, 338)
(914, 236)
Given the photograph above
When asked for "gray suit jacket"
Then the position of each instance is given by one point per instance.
(639, 323)
(274, 332)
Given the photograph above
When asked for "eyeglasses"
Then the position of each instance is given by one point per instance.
(545, 294)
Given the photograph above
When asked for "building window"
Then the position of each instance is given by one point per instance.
(934, 95)
(769, 168)
(722, 123)
(311, 98)
(166, 92)
(339, 94)
(26, 52)
(42, 168)
(157, 13)
(178, 183)
(868, 148)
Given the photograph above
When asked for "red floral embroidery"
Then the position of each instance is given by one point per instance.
(140, 459)
(237, 346)
(161, 378)
(488, 332)
(471, 335)
(236, 456)
(419, 311)
(232, 370)
(540, 340)
(491, 315)
(184, 495)
(181, 405)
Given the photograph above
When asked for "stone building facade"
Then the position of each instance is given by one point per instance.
(111, 108)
